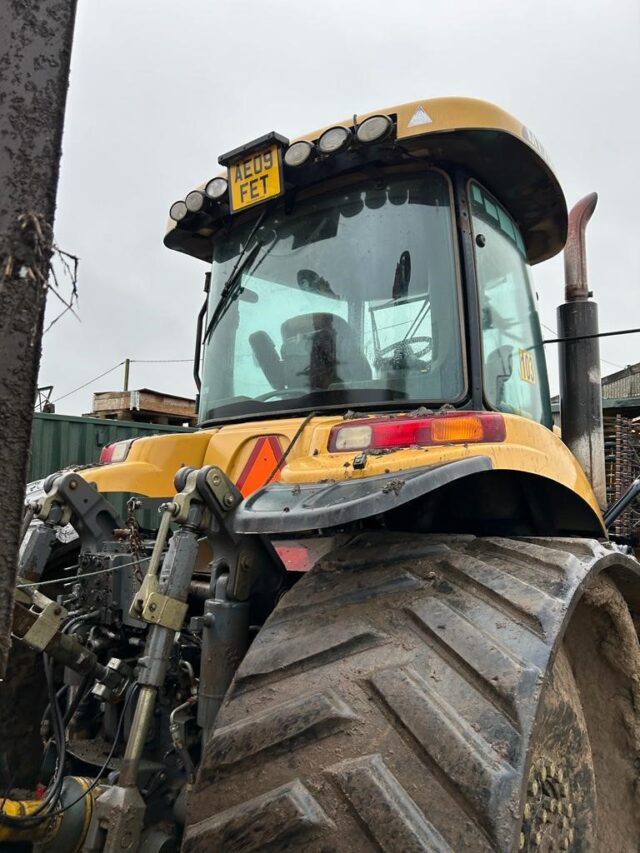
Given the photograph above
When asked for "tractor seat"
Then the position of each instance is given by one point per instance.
(321, 349)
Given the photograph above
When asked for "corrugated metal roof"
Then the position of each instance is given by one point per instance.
(628, 386)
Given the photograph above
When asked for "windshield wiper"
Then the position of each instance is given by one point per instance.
(232, 284)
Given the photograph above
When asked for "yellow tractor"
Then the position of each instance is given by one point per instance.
(379, 608)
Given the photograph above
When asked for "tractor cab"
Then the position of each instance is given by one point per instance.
(367, 268)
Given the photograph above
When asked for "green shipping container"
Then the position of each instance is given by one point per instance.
(61, 440)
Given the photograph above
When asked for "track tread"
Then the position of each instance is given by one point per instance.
(552, 574)
(385, 807)
(307, 650)
(581, 549)
(516, 598)
(464, 761)
(489, 667)
(359, 588)
(286, 814)
(284, 726)
(394, 661)
(555, 562)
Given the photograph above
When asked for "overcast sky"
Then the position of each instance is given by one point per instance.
(160, 88)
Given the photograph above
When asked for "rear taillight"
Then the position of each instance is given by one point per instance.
(444, 428)
(116, 452)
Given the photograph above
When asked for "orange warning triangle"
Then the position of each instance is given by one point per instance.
(263, 459)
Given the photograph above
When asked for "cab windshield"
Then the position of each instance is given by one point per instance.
(349, 299)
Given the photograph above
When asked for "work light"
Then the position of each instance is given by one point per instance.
(178, 211)
(195, 201)
(334, 140)
(298, 153)
(216, 188)
(374, 129)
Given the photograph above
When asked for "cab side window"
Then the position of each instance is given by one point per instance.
(515, 376)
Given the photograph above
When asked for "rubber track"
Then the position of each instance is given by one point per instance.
(388, 702)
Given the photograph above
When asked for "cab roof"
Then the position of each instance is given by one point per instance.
(492, 146)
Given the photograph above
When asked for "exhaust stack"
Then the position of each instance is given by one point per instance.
(580, 386)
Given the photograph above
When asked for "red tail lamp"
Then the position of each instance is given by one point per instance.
(444, 428)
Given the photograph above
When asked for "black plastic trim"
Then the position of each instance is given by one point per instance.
(471, 300)
(293, 508)
(260, 142)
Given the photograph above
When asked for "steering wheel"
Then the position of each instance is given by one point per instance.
(428, 346)
(282, 392)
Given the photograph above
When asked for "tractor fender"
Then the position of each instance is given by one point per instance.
(290, 508)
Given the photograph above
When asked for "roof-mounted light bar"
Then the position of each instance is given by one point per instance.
(178, 211)
(209, 202)
(374, 129)
(217, 188)
(299, 153)
(334, 140)
(195, 201)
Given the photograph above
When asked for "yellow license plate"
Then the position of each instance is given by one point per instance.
(255, 178)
